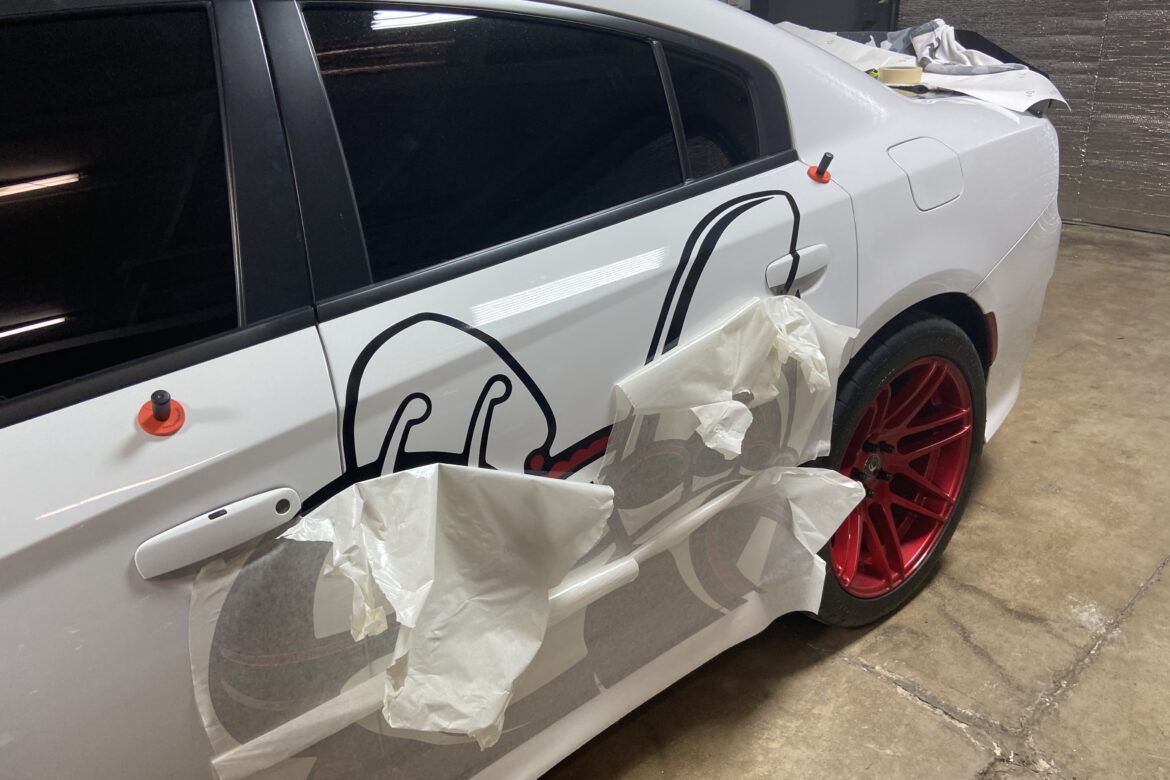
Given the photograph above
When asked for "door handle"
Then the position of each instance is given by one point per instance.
(211, 533)
(810, 263)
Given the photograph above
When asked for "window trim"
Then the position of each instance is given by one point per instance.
(380, 292)
(132, 372)
(273, 296)
(304, 104)
(680, 135)
(272, 266)
(330, 222)
(727, 69)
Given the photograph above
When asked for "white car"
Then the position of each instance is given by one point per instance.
(254, 253)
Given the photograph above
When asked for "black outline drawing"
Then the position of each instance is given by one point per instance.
(260, 708)
(697, 252)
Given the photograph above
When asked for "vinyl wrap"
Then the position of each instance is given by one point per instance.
(389, 631)
(1111, 60)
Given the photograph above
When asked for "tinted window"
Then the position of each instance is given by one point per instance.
(114, 221)
(717, 115)
(463, 132)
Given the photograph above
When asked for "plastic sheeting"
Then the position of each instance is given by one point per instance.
(718, 376)
(467, 576)
(939, 51)
(946, 64)
(397, 621)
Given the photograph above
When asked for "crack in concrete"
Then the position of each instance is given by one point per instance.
(1008, 746)
(979, 650)
(1039, 621)
(999, 601)
(952, 712)
(1066, 679)
(1011, 747)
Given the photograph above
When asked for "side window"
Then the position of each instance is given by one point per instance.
(115, 233)
(717, 116)
(462, 132)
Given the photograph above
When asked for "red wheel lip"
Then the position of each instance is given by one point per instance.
(911, 449)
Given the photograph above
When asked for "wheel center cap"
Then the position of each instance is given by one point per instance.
(873, 464)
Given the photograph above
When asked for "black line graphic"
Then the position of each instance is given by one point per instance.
(353, 387)
(690, 268)
(700, 246)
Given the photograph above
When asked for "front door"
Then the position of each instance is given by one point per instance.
(118, 278)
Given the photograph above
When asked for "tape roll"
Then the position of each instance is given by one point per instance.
(900, 75)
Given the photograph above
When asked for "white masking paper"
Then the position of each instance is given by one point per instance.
(1015, 88)
(718, 376)
(393, 628)
(466, 557)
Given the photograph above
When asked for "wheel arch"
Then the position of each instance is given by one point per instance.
(967, 314)
(959, 308)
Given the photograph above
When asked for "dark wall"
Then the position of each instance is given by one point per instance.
(830, 14)
(1111, 59)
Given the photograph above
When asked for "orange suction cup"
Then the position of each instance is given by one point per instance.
(161, 415)
(820, 173)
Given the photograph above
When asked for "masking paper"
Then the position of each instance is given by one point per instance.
(947, 65)
(720, 374)
(430, 622)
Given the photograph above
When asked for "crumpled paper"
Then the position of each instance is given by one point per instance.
(720, 375)
(378, 541)
(466, 557)
(939, 51)
(472, 565)
(1018, 89)
(816, 500)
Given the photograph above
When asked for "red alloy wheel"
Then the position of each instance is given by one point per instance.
(910, 450)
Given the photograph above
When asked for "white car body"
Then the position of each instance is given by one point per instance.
(98, 679)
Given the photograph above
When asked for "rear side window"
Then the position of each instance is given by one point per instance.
(115, 236)
(717, 116)
(462, 132)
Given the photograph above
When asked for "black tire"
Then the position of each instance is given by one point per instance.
(911, 336)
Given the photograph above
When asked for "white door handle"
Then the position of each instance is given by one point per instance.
(212, 533)
(810, 262)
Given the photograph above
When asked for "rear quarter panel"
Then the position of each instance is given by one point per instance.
(905, 255)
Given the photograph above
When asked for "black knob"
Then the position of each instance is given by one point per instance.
(160, 405)
(824, 166)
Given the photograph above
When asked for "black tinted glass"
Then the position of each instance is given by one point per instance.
(717, 115)
(462, 132)
(114, 221)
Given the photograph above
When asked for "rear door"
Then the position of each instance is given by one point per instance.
(148, 241)
(506, 212)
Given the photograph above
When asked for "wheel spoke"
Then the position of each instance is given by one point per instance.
(939, 422)
(925, 485)
(917, 509)
(894, 542)
(878, 551)
(918, 449)
(847, 545)
(880, 409)
(917, 396)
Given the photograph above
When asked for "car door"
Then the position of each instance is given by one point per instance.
(508, 210)
(144, 247)
(512, 204)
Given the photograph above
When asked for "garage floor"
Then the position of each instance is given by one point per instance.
(1043, 644)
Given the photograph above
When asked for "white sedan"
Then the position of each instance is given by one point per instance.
(256, 254)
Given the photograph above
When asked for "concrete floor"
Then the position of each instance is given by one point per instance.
(1042, 647)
